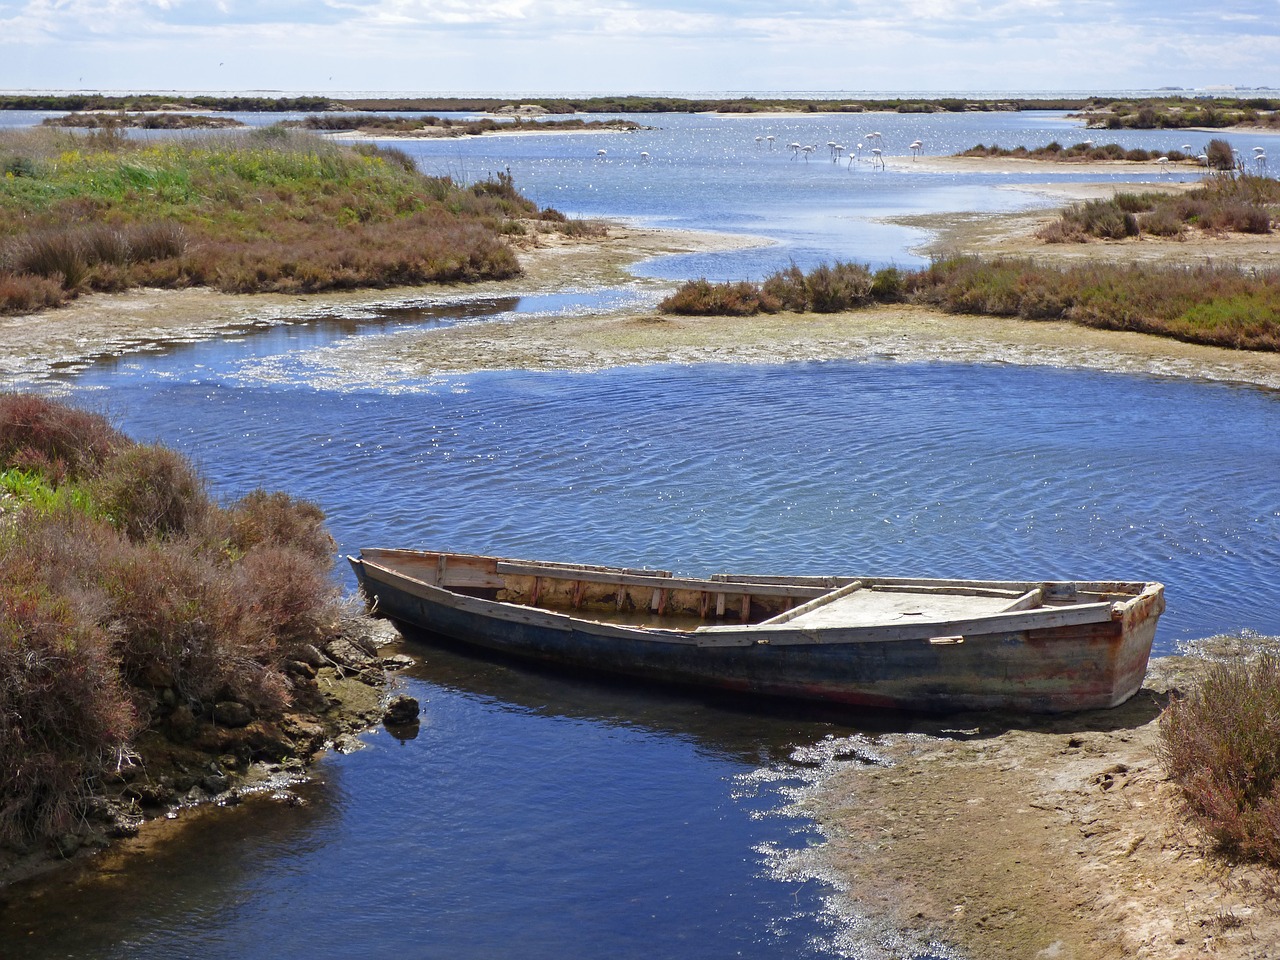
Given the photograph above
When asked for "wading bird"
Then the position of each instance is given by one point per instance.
(877, 158)
(916, 147)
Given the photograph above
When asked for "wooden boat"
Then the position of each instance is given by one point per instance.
(932, 645)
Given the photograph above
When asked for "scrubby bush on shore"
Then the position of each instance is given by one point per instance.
(1078, 153)
(1221, 745)
(131, 602)
(271, 210)
(1221, 306)
(1243, 204)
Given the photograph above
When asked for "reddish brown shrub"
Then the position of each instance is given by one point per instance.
(287, 594)
(27, 293)
(60, 440)
(63, 712)
(279, 520)
(182, 623)
(1221, 745)
(150, 491)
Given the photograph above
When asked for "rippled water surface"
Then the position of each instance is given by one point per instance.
(549, 816)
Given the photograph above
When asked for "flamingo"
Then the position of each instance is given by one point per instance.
(836, 151)
(877, 158)
(1163, 163)
(916, 147)
(759, 140)
(644, 156)
(806, 150)
(1260, 160)
(795, 149)
(602, 153)
(771, 138)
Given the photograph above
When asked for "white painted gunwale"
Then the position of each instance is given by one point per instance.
(730, 635)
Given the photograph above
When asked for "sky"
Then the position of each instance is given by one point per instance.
(508, 47)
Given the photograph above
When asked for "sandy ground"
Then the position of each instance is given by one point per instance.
(991, 839)
(1016, 839)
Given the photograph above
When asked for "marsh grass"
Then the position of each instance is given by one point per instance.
(1208, 304)
(121, 580)
(268, 210)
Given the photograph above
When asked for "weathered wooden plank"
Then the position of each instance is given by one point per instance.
(1030, 599)
(658, 583)
(813, 604)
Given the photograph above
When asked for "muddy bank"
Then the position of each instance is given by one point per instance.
(992, 838)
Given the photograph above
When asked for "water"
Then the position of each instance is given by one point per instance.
(557, 816)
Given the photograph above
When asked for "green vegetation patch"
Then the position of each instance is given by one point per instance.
(269, 210)
(1223, 204)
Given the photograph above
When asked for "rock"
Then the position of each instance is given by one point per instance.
(182, 724)
(397, 661)
(300, 668)
(347, 654)
(348, 744)
(307, 734)
(401, 711)
(232, 713)
(308, 654)
(216, 783)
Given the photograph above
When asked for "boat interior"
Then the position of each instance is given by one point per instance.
(653, 597)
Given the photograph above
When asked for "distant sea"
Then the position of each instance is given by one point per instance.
(1225, 90)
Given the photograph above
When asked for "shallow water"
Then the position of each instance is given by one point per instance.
(547, 815)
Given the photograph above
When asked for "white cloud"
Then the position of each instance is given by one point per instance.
(641, 45)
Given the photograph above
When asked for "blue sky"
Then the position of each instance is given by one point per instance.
(645, 46)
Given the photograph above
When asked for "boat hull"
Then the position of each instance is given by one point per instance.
(1053, 669)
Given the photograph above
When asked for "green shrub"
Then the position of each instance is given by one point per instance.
(840, 286)
(789, 288)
